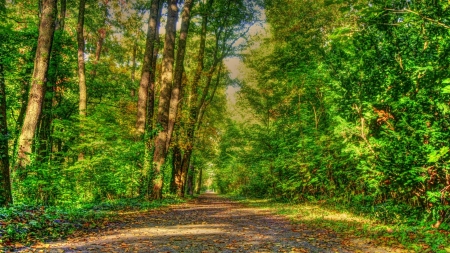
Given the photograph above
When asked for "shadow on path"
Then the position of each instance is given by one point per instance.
(209, 223)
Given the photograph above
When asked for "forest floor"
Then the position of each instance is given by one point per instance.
(209, 223)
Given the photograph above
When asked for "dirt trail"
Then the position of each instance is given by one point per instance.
(207, 224)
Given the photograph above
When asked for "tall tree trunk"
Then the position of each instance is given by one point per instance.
(37, 91)
(45, 135)
(5, 180)
(195, 105)
(179, 69)
(151, 88)
(81, 68)
(177, 175)
(20, 119)
(153, 27)
(193, 97)
(146, 94)
(159, 156)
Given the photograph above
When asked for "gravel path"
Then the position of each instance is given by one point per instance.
(207, 224)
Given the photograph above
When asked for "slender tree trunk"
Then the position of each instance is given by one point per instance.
(205, 104)
(195, 105)
(133, 69)
(147, 67)
(98, 50)
(198, 73)
(100, 40)
(199, 182)
(190, 180)
(37, 91)
(179, 69)
(193, 97)
(159, 156)
(150, 111)
(62, 15)
(184, 171)
(81, 67)
(82, 106)
(5, 180)
(176, 174)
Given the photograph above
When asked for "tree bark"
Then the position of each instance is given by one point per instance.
(100, 40)
(153, 27)
(148, 78)
(193, 97)
(5, 180)
(179, 69)
(20, 119)
(82, 106)
(98, 50)
(62, 15)
(81, 68)
(45, 135)
(176, 173)
(184, 171)
(151, 89)
(190, 183)
(133, 69)
(206, 102)
(199, 182)
(195, 105)
(37, 91)
(160, 153)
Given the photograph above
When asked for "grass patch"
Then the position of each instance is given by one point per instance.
(23, 225)
(320, 214)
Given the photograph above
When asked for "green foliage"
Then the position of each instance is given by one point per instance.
(347, 102)
(108, 170)
(352, 221)
(28, 224)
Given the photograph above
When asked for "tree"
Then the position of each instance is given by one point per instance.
(164, 98)
(45, 131)
(5, 181)
(37, 90)
(147, 67)
(146, 95)
(230, 23)
(179, 69)
(180, 170)
(81, 65)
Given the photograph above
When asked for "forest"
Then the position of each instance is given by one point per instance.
(113, 103)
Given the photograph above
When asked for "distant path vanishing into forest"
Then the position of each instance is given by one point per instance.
(209, 223)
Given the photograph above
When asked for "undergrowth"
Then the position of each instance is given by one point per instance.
(24, 225)
(354, 220)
